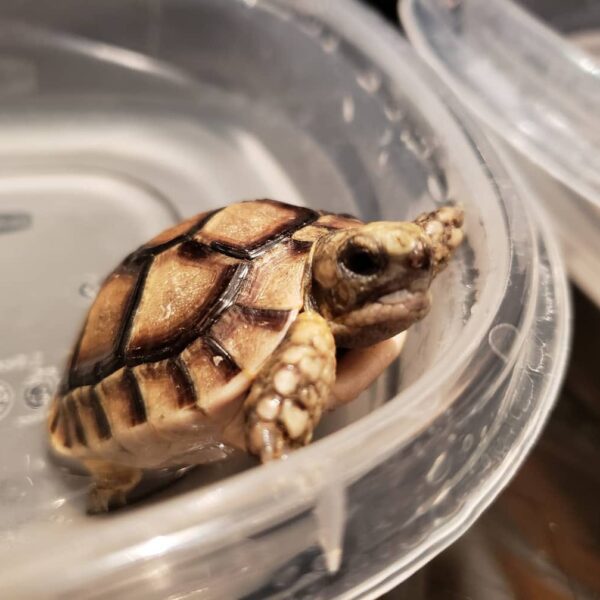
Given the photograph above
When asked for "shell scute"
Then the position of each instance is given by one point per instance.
(216, 376)
(246, 229)
(276, 280)
(178, 293)
(126, 410)
(164, 381)
(120, 398)
(170, 402)
(92, 416)
(102, 333)
(244, 336)
(175, 233)
(339, 221)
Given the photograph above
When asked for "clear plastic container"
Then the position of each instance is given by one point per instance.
(535, 84)
(119, 119)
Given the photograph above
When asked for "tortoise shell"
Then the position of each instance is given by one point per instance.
(179, 330)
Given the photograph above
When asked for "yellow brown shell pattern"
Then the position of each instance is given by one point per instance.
(183, 325)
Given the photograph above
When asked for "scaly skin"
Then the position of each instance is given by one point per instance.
(388, 289)
(286, 400)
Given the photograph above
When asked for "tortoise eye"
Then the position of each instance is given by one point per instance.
(361, 261)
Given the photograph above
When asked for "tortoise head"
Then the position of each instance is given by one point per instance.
(372, 281)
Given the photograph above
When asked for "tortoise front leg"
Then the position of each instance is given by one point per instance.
(288, 396)
(112, 483)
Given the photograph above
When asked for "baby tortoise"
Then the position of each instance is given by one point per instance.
(223, 331)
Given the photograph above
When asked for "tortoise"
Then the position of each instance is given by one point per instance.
(222, 332)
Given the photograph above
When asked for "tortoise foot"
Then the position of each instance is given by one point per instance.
(287, 398)
(112, 484)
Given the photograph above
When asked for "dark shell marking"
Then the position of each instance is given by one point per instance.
(184, 314)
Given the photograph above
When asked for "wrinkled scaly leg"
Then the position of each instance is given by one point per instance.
(288, 396)
(111, 484)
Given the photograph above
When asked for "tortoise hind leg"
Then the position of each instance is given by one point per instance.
(287, 397)
(112, 483)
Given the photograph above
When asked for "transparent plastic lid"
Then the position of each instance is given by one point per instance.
(537, 90)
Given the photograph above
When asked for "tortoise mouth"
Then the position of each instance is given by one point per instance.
(399, 309)
(397, 297)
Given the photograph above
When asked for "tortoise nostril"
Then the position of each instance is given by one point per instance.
(420, 257)
(361, 261)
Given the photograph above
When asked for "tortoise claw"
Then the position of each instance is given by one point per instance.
(101, 500)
